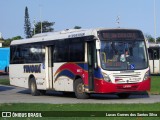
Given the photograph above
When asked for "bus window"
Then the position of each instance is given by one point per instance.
(153, 54)
(27, 54)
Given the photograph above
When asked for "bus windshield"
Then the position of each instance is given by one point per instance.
(123, 55)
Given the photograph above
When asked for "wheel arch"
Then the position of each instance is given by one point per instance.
(77, 77)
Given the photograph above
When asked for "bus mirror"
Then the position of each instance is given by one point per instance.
(95, 65)
(98, 44)
(147, 43)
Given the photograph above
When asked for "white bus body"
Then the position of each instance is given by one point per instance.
(154, 58)
(81, 61)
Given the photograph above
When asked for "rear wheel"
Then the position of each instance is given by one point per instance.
(79, 89)
(123, 95)
(33, 87)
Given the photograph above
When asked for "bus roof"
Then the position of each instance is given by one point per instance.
(68, 33)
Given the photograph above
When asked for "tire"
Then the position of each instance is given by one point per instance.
(123, 95)
(78, 89)
(33, 87)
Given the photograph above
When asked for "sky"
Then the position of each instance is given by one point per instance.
(137, 14)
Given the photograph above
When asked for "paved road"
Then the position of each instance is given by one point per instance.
(10, 94)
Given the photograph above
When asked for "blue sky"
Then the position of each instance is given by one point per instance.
(85, 13)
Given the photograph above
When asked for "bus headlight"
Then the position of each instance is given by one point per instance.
(106, 77)
(146, 76)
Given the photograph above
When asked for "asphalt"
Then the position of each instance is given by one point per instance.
(11, 94)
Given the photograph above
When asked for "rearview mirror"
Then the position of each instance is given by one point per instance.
(98, 44)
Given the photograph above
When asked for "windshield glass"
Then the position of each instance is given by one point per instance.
(123, 55)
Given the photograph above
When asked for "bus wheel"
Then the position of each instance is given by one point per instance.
(79, 89)
(33, 87)
(123, 95)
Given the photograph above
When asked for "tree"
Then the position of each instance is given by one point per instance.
(8, 41)
(77, 27)
(149, 38)
(27, 24)
(16, 38)
(158, 40)
(46, 27)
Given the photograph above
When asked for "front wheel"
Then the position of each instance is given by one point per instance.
(79, 89)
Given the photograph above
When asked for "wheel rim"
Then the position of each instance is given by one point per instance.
(80, 88)
(32, 87)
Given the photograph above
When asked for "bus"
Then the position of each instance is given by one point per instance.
(4, 60)
(154, 58)
(83, 61)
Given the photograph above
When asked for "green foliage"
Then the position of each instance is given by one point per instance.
(149, 38)
(46, 27)
(4, 82)
(8, 41)
(27, 24)
(77, 27)
(158, 40)
(17, 38)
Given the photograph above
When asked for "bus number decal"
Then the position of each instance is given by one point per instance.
(32, 68)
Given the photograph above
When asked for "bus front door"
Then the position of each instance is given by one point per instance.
(49, 63)
(91, 57)
(154, 60)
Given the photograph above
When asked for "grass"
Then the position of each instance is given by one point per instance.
(4, 81)
(79, 107)
(155, 85)
(63, 108)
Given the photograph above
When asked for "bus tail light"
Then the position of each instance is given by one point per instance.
(106, 77)
(146, 76)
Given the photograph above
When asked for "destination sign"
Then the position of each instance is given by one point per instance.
(121, 35)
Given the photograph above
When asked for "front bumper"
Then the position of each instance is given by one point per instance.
(102, 86)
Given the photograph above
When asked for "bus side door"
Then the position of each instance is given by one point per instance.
(154, 55)
(49, 63)
(91, 60)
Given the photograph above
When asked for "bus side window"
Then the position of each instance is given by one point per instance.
(61, 51)
(76, 52)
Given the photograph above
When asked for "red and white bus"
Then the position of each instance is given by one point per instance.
(83, 61)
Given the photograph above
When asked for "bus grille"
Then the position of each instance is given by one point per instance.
(121, 78)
